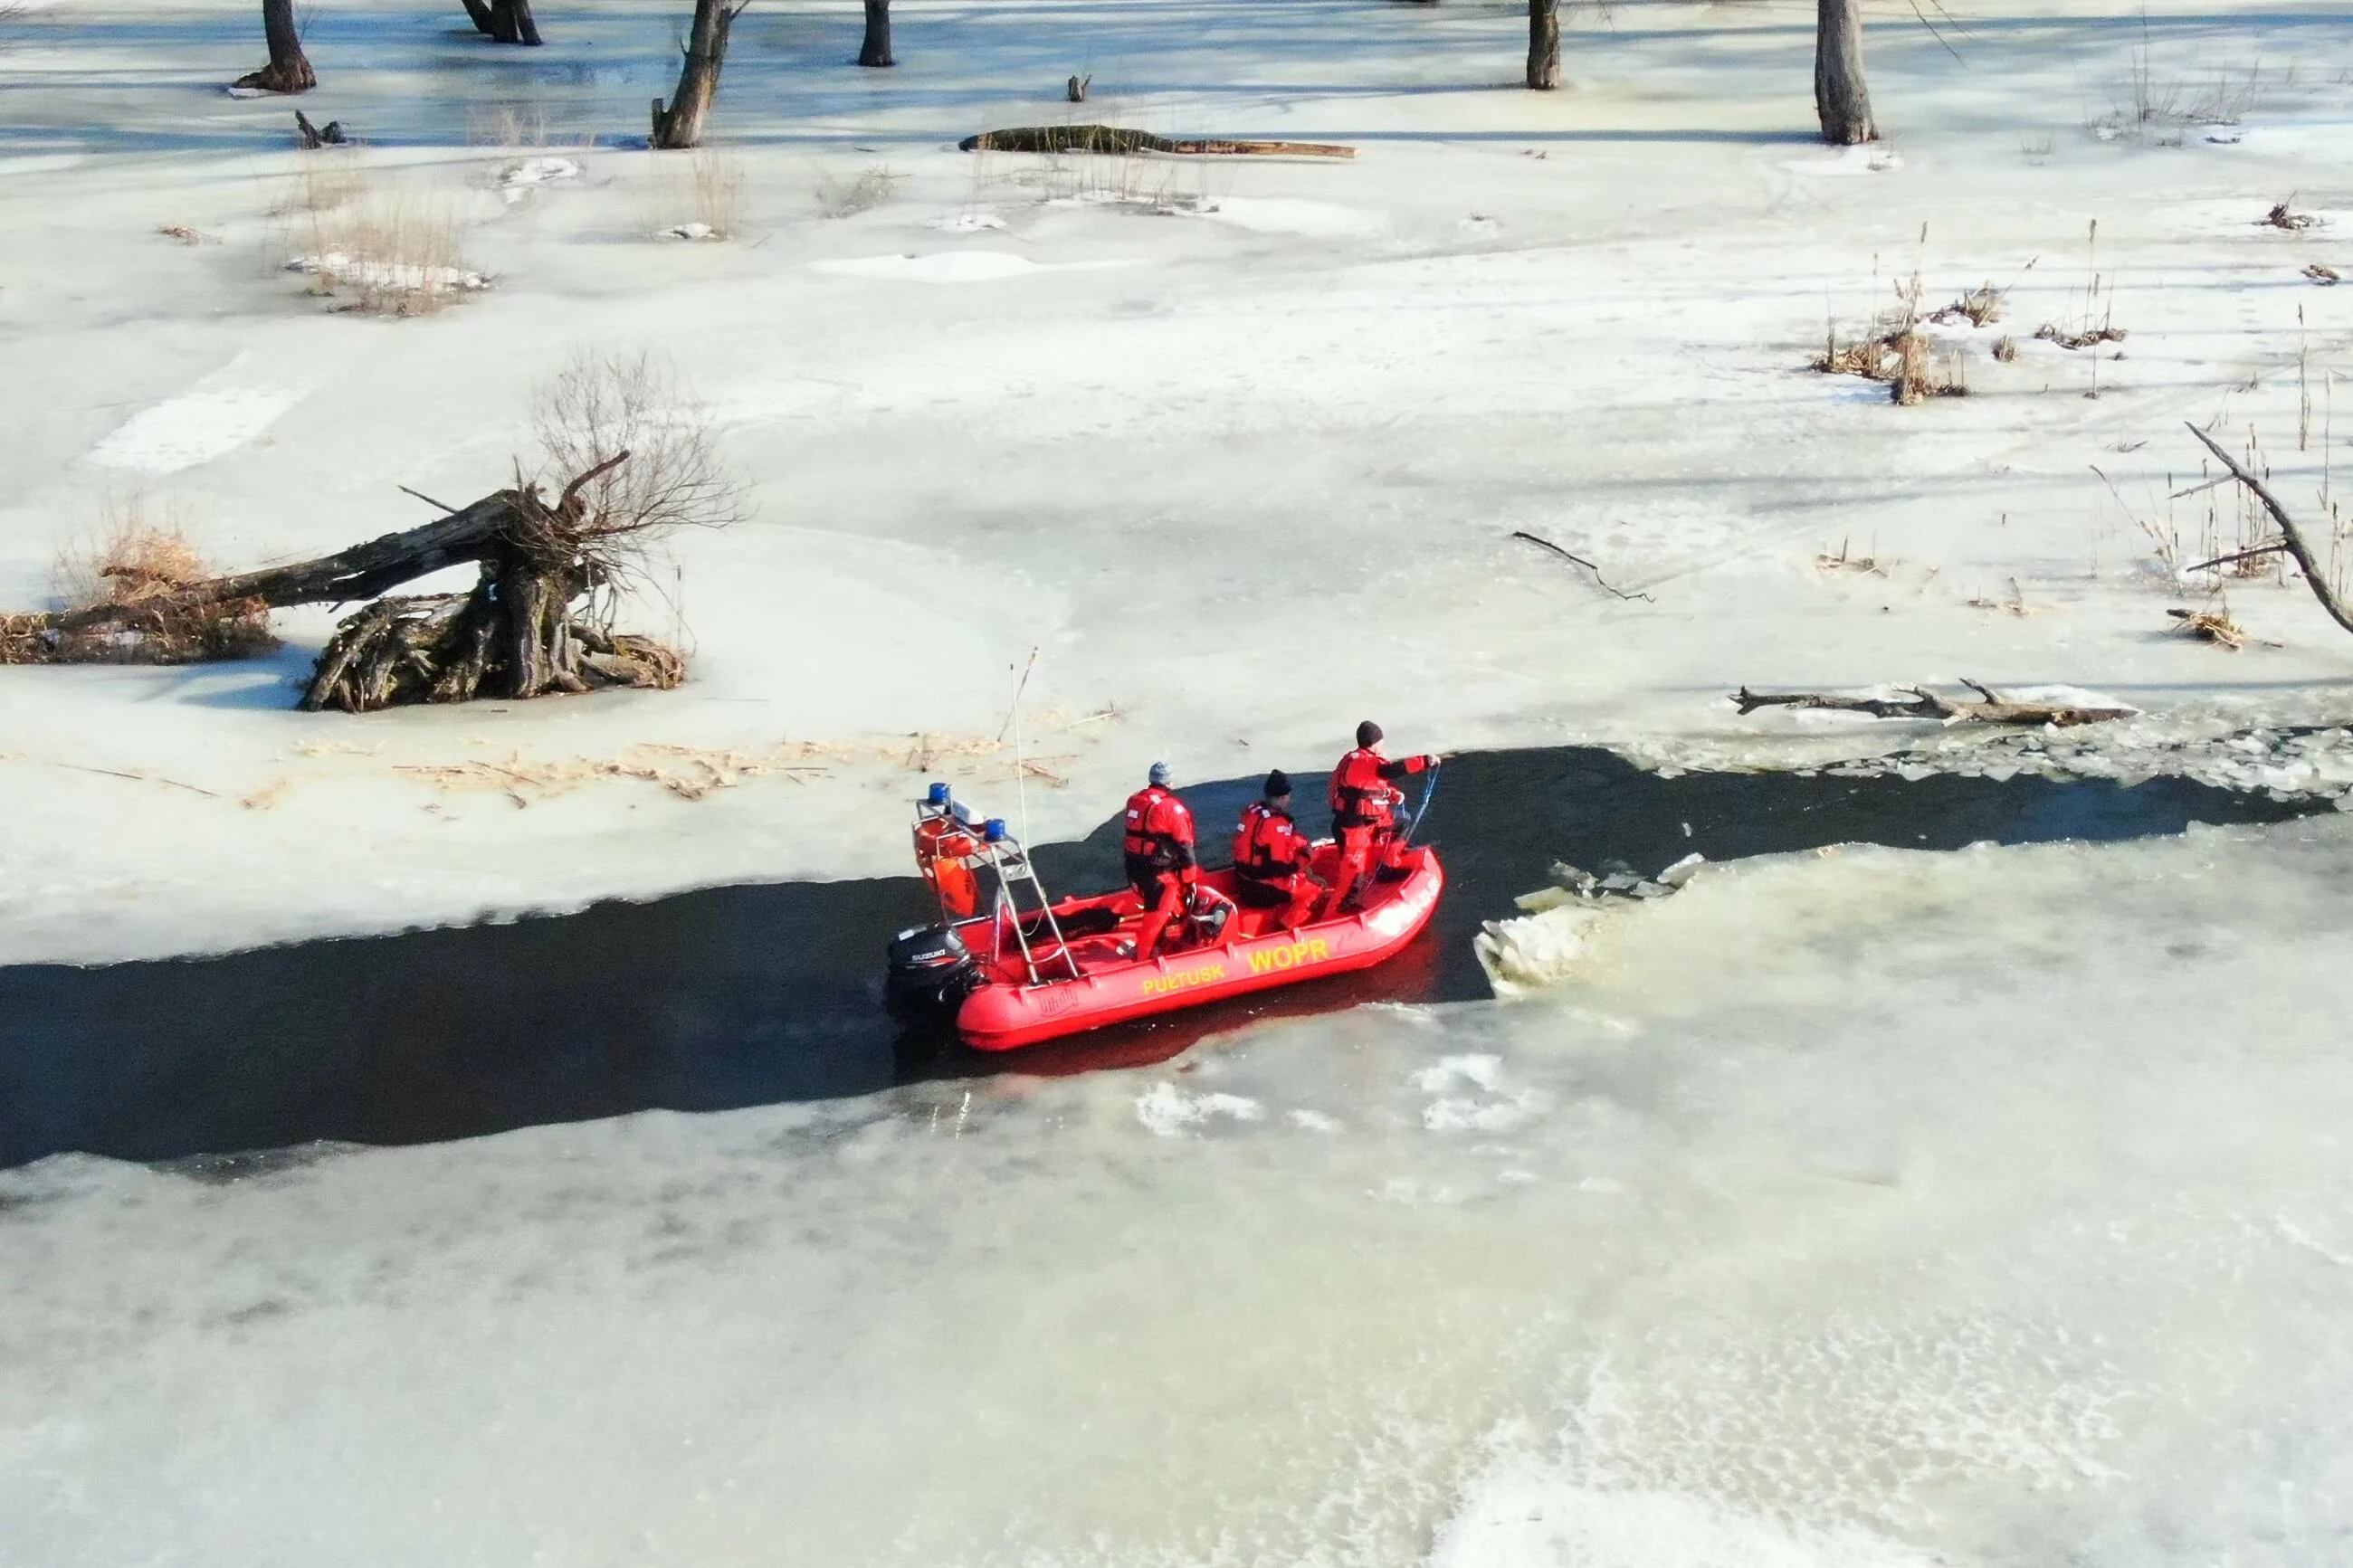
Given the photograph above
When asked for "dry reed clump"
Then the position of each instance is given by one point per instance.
(1906, 362)
(134, 560)
(517, 125)
(2005, 348)
(1922, 373)
(2215, 626)
(846, 198)
(394, 253)
(324, 181)
(2280, 217)
(1980, 306)
(2090, 337)
(709, 189)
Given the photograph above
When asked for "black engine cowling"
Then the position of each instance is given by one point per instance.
(931, 972)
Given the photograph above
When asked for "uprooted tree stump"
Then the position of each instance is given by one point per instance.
(1925, 704)
(537, 620)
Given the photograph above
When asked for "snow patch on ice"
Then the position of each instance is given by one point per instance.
(218, 414)
(1283, 215)
(1312, 1120)
(405, 277)
(951, 266)
(1870, 158)
(686, 231)
(1501, 1111)
(518, 181)
(1475, 1070)
(1167, 1111)
(1521, 1516)
(968, 223)
(1532, 951)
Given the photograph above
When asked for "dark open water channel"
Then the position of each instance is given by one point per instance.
(746, 996)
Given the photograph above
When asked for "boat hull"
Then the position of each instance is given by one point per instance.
(1002, 1016)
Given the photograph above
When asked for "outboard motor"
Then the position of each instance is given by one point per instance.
(931, 972)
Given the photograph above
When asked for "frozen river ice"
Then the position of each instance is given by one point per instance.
(1873, 1209)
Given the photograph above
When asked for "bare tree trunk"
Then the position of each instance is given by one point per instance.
(1543, 44)
(512, 23)
(876, 49)
(1842, 101)
(504, 21)
(680, 124)
(288, 71)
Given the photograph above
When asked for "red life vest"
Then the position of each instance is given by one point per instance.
(1268, 845)
(1158, 829)
(1361, 796)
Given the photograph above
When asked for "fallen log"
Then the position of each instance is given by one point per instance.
(1119, 141)
(522, 631)
(1926, 704)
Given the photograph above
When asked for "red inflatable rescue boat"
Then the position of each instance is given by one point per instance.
(1011, 968)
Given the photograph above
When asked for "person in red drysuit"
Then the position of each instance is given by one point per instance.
(1271, 856)
(1364, 808)
(1157, 841)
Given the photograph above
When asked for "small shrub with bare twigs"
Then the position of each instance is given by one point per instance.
(603, 405)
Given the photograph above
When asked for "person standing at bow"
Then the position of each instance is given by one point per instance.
(1156, 840)
(1364, 809)
(1271, 856)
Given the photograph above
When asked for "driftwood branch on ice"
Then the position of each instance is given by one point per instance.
(2292, 539)
(1118, 140)
(1926, 704)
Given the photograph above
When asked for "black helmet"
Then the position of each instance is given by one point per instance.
(1278, 784)
(1368, 733)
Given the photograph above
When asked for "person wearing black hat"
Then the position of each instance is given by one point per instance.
(1270, 858)
(1363, 807)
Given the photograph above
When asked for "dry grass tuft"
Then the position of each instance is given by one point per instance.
(2215, 627)
(2005, 348)
(324, 182)
(707, 186)
(516, 125)
(2280, 217)
(186, 234)
(2323, 275)
(394, 253)
(848, 198)
(134, 559)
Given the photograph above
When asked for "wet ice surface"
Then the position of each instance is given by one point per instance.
(1864, 1209)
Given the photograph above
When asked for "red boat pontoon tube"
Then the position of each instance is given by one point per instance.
(1021, 969)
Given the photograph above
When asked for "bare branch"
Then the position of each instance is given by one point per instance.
(1581, 561)
(2292, 537)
